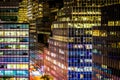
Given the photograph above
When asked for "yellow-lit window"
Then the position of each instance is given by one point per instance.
(22, 66)
(116, 23)
(81, 76)
(110, 23)
(10, 33)
(88, 39)
(76, 25)
(60, 25)
(41, 9)
(88, 32)
(22, 33)
(96, 33)
(23, 46)
(112, 33)
(17, 66)
(103, 33)
(22, 79)
(104, 66)
(1, 33)
(1, 53)
(118, 45)
(55, 25)
(88, 25)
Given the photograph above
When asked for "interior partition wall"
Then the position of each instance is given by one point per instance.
(14, 51)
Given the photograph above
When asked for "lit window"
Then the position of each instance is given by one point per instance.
(88, 46)
(88, 32)
(88, 60)
(118, 45)
(81, 76)
(87, 69)
(1, 39)
(110, 23)
(96, 33)
(103, 33)
(80, 46)
(1, 33)
(1, 53)
(112, 33)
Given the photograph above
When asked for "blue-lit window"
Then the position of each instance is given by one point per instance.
(25, 59)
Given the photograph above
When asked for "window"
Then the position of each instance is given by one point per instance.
(24, 46)
(103, 33)
(87, 39)
(88, 46)
(88, 32)
(81, 76)
(110, 23)
(10, 33)
(17, 66)
(118, 45)
(1, 39)
(9, 73)
(1, 33)
(10, 39)
(22, 33)
(96, 33)
(113, 33)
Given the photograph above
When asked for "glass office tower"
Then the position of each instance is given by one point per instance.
(9, 10)
(106, 45)
(22, 13)
(14, 51)
(70, 49)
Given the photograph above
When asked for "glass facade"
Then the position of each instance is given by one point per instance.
(9, 10)
(106, 48)
(22, 13)
(70, 48)
(14, 51)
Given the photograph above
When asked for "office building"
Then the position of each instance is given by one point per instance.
(22, 13)
(9, 10)
(43, 23)
(70, 48)
(106, 45)
(40, 19)
(14, 51)
(48, 10)
(32, 21)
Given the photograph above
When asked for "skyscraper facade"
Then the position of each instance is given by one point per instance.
(70, 48)
(14, 51)
(9, 10)
(106, 44)
(14, 43)
(22, 13)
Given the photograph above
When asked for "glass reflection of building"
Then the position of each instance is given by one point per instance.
(106, 45)
(70, 49)
(14, 51)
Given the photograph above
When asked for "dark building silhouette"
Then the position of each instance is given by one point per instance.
(106, 45)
